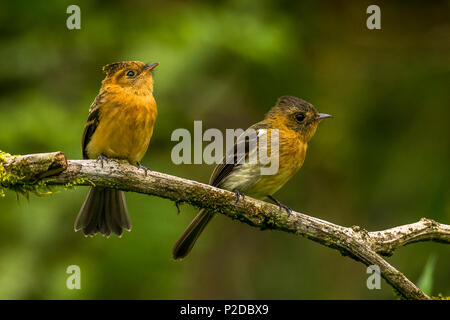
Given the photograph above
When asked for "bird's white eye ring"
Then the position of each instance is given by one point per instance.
(130, 73)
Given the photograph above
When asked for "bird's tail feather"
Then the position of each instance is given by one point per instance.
(104, 211)
(191, 234)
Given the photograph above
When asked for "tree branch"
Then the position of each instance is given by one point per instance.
(386, 241)
(31, 172)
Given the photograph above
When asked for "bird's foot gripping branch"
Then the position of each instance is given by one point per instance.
(37, 173)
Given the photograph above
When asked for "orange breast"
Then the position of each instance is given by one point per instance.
(292, 153)
(125, 129)
(248, 178)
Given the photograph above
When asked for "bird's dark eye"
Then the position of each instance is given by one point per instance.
(300, 117)
(130, 74)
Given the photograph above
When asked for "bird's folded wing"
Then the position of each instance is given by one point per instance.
(91, 124)
(245, 146)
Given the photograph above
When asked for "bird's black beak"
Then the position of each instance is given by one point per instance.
(151, 66)
(323, 116)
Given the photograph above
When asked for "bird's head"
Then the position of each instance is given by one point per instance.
(297, 115)
(134, 75)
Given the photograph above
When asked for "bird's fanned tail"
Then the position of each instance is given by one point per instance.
(104, 211)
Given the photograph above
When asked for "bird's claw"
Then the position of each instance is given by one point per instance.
(288, 210)
(102, 158)
(140, 166)
(238, 195)
(281, 206)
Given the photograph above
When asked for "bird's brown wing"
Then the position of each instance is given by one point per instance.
(240, 151)
(243, 142)
(91, 124)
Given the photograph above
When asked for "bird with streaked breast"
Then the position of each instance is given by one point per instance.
(295, 121)
(120, 126)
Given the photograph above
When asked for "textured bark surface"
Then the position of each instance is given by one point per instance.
(36, 166)
(355, 242)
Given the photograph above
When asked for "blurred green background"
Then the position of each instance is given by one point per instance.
(382, 161)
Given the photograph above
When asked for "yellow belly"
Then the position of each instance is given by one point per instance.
(247, 178)
(123, 132)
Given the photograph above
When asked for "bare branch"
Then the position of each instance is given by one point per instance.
(386, 241)
(355, 242)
